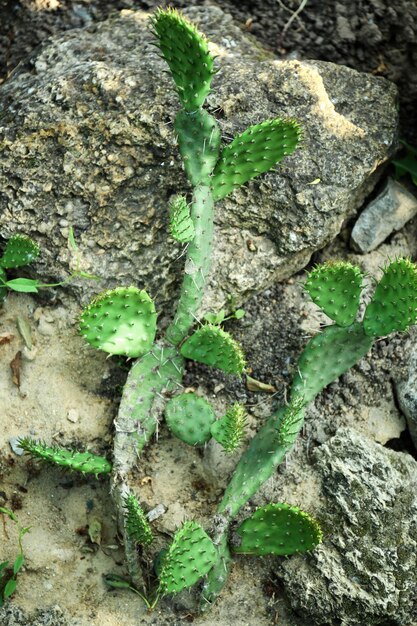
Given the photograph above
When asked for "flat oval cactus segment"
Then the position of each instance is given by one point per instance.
(290, 421)
(229, 431)
(189, 557)
(186, 51)
(20, 250)
(84, 462)
(190, 417)
(213, 346)
(327, 355)
(136, 523)
(199, 143)
(181, 225)
(336, 288)
(254, 152)
(120, 321)
(394, 304)
(278, 529)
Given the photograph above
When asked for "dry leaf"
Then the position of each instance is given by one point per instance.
(15, 366)
(256, 385)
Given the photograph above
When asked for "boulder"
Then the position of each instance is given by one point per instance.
(365, 572)
(407, 391)
(387, 213)
(86, 137)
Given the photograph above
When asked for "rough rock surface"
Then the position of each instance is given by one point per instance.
(365, 572)
(387, 213)
(86, 139)
(407, 393)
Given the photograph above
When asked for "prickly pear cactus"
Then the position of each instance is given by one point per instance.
(120, 321)
(336, 288)
(394, 304)
(20, 250)
(124, 321)
(83, 462)
(254, 152)
(213, 346)
(186, 51)
(189, 558)
(229, 431)
(190, 417)
(137, 525)
(278, 529)
(199, 144)
(326, 356)
(181, 225)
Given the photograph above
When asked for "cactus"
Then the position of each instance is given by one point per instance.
(394, 305)
(84, 462)
(189, 558)
(20, 250)
(254, 152)
(121, 321)
(336, 289)
(186, 51)
(190, 418)
(278, 529)
(181, 225)
(213, 346)
(326, 356)
(137, 526)
(229, 431)
(198, 137)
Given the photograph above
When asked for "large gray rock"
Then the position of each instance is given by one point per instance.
(387, 213)
(365, 572)
(86, 140)
(407, 391)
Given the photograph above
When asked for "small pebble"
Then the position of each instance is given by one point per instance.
(13, 441)
(159, 510)
(72, 416)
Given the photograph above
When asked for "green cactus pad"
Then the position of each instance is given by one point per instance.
(84, 462)
(254, 152)
(156, 373)
(327, 355)
(217, 576)
(229, 431)
(256, 464)
(394, 304)
(336, 289)
(3, 288)
(190, 418)
(185, 50)
(181, 225)
(20, 250)
(289, 422)
(199, 143)
(213, 346)
(136, 523)
(189, 558)
(278, 529)
(120, 321)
